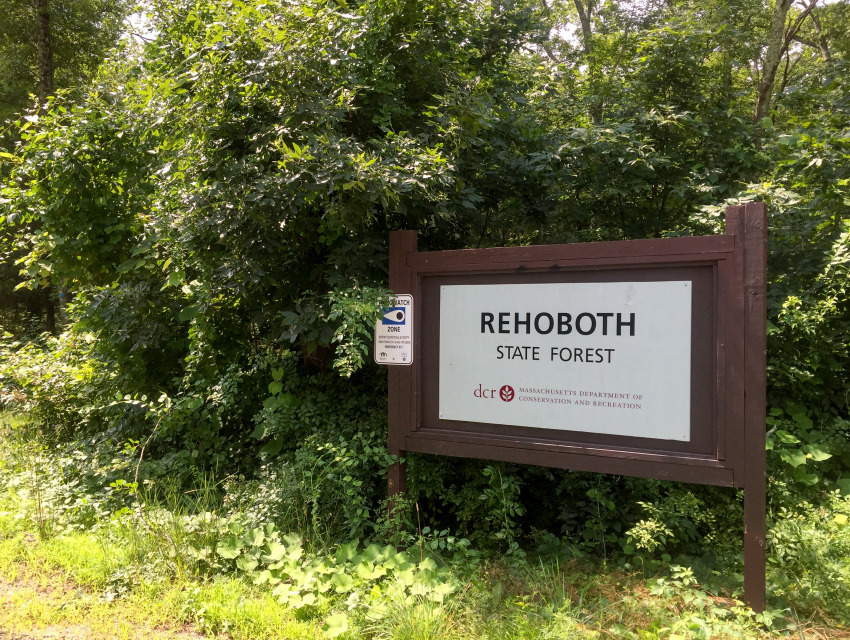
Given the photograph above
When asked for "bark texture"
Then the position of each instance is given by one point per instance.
(45, 50)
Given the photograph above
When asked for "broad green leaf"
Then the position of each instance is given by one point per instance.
(787, 438)
(308, 599)
(275, 388)
(800, 475)
(802, 420)
(335, 625)
(255, 537)
(275, 551)
(342, 582)
(246, 564)
(229, 547)
(795, 458)
(292, 539)
(405, 576)
(346, 552)
(370, 571)
(188, 313)
(817, 454)
(273, 448)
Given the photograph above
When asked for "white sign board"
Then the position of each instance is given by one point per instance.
(394, 332)
(610, 358)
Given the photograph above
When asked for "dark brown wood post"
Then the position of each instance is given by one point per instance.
(749, 225)
(401, 378)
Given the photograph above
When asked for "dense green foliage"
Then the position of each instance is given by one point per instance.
(218, 204)
(82, 31)
(157, 555)
(45, 46)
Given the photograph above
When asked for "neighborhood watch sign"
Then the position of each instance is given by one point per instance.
(609, 358)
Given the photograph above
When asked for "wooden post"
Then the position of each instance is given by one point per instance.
(400, 412)
(750, 228)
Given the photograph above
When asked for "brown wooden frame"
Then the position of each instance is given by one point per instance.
(728, 364)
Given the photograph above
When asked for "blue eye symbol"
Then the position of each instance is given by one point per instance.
(394, 315)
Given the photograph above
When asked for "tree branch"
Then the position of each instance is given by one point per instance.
(792, 31)
(822, 44)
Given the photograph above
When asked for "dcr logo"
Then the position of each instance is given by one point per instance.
(506, 393)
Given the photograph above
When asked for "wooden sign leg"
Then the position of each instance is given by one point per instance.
(402, 406)
(755, 403)
(755, 561)
(396, 476)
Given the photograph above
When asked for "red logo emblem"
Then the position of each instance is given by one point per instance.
(506, 393)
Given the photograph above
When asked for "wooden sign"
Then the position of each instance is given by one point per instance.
(643, 358)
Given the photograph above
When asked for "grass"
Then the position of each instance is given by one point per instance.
(134, 576)
(63, 583)
(68, 582)
(166, 611)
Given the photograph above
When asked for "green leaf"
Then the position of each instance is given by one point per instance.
(284, 592)
(405, 575)
(274, 552)
(810, 479)
(275, 387)
(802, 420)
(292, 540)
(817, 454)
(342, 582)
(255, 537)
(369, 571)
(273, 447)
(188, 313)
(335, 625)
(795, 458)
(346, 552)
(246, 564)
(229, 547)
(787, 438)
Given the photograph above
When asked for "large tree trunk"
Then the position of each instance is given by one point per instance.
(772, 58)
(46, 71)
(584, 18)
(45, 50)
(585, 13)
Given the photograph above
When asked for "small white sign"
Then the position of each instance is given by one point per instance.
(394, 332)
(610, 358)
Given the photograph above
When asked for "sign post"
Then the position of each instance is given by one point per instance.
(643, 358)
